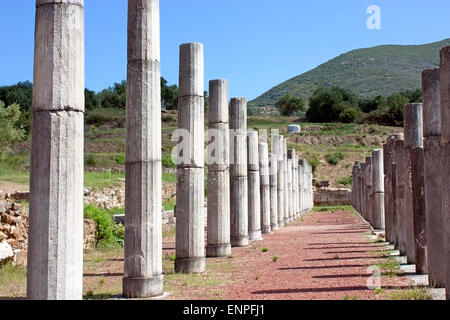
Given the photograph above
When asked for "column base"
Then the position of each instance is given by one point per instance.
(286, 221)
(274, 227)
(239, 242)
(218, 250)
(193, 265)
(280, 224)
(266, 230)
(255, 235)
(135, 288)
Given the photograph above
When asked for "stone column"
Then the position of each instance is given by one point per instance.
(273, 181)
(355, 185)
(55, 252)
(310, 187)
(431, 110)
(296, 191)
(301, 186)
(291, 173)
(388, 160)
(238, 173)
(415, 219)
(143, 205)
(277, 150)
(445, 156)
(264, 187)
(378, 189)
(286, 183)
(369, 195)
(290, 193)
(218, 230)
(254, 198)
(363, 190)
(400, 196)
(190, 220)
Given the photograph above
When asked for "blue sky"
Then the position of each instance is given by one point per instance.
(255, 44)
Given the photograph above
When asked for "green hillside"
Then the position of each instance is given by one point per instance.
(380, 70)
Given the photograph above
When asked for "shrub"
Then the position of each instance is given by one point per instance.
(11, 133)
(327, 104)
(349, 115)
(334, 157)
(98, 117)
(120, 159)
(288, 105)
(346, 181)
(91, 160)
(314, 163)
(107, 232)
(168, 162)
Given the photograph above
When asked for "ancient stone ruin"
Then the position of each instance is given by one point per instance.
(411, 174)
(250, 192)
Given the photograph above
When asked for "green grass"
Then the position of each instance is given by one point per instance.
(103, 179)
(346, 181)
(13, 281)
(169, 205)
(332, 208)
(169, 177)
(390, 267)
(411, 294)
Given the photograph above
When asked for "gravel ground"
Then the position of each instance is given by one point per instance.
(323, 255)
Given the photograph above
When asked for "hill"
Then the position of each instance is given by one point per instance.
(380, 70)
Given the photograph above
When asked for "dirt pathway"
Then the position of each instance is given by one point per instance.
(323, 255)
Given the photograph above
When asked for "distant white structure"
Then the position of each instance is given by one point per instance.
(294, 128)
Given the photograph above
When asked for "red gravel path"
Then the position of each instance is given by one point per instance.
(323, 257)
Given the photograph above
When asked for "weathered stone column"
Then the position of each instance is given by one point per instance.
(143, 205)
(400, 196)
(363, 190)
(431, 110)
(369, 195)
(389, 190)
(290, 193)
(264, 187)
(445, 156)
(378, 189)
(355, 186)
(415, 219)
(273, 181)
(238, 173)
(286, 183)
(218, 230)
(254, 198)
(310, 187)
(296, 191)
(277, 150)
(55, 252)
(301, 185)
(292, 180)
(190, 223)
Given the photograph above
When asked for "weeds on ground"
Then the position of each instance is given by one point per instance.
(411, 294)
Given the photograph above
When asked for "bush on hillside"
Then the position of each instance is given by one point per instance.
(327, 104)
(288, 105)
(11, 131)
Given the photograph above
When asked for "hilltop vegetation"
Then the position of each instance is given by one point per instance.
(371, 72)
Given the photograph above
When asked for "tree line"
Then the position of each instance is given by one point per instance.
(335, 104)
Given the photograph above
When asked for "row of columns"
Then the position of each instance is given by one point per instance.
(416, 171)
(250, 191)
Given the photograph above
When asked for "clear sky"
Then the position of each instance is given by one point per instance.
(255, 44)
